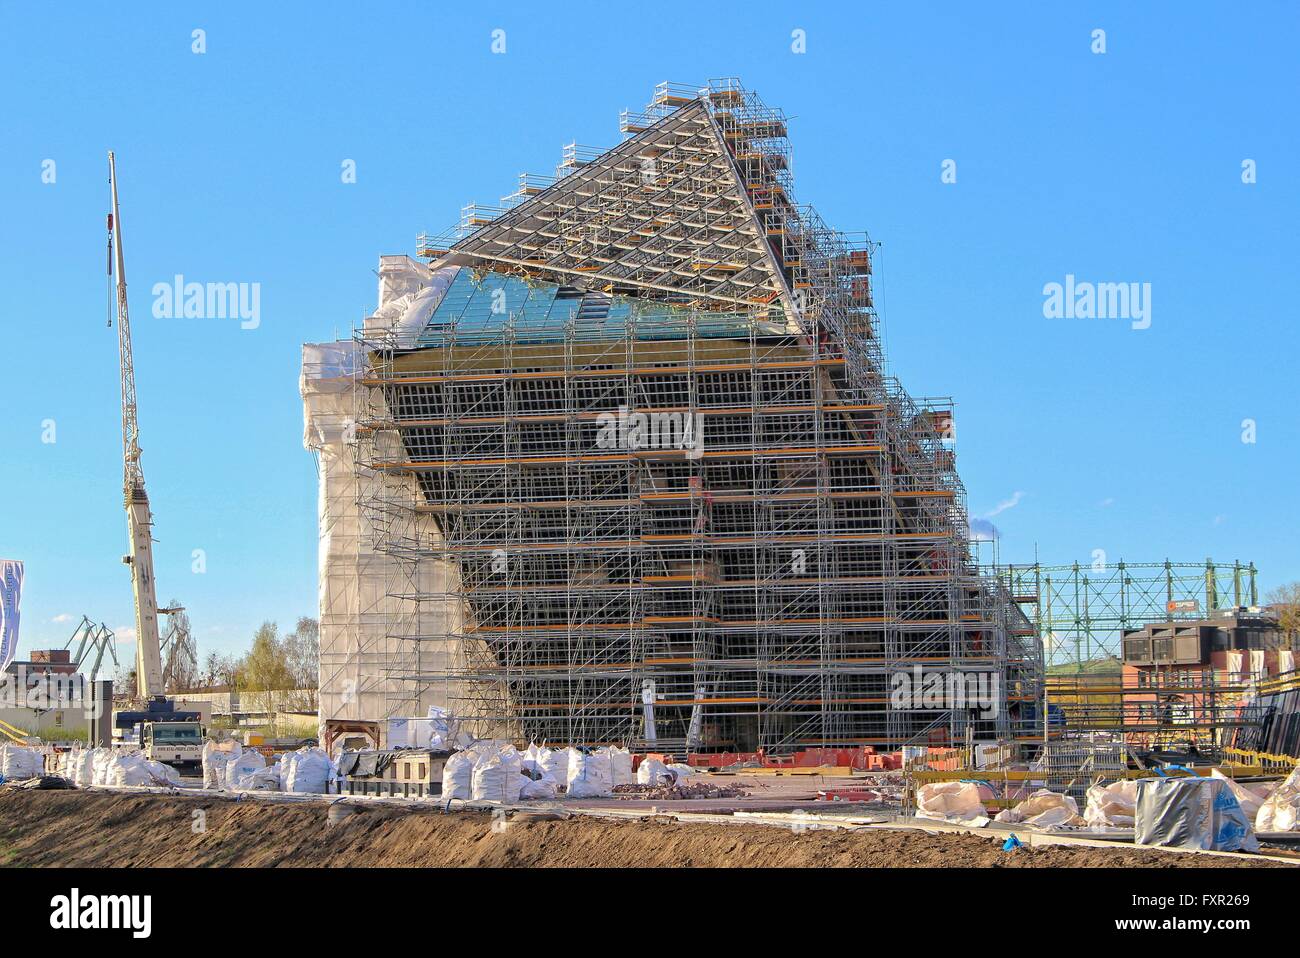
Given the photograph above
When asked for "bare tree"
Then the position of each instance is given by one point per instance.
(302, 647)
(1285, 600)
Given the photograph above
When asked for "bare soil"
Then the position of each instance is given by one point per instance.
(100, 829)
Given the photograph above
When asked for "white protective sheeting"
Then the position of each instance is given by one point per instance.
(1280, 812)
(365, 630)
(361, 649)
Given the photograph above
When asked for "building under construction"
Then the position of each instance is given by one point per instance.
(618, 463)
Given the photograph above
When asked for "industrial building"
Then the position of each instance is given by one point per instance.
(617, 461)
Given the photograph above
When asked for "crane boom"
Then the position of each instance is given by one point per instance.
(139, 520)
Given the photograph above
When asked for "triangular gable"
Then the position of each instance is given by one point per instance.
(662, 215)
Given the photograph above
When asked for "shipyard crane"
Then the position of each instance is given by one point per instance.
(139, 520)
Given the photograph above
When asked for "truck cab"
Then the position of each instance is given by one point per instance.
(174, 743)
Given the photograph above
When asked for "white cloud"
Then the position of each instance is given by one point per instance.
(124, 633)
(1220, 520)
(981, 530)
(1107, 502)
(1006, 504)
(61, 618)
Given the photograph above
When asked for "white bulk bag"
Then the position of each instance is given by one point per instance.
(1111, 805)
(458, 774)
(240, 770)
(537, 789)
(620, 763)
(263, 780)
(590, 775)
(132, 768)
(651, 771)
(555, 763)
(498, 777)
(1043, 809)
(309, 772)
(216, 760)
(18, 762)
(1250, 802)
(102, 765)
(950, 802)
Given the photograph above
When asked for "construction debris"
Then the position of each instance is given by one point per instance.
(679, 789)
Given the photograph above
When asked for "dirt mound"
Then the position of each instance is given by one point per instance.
(90, 829)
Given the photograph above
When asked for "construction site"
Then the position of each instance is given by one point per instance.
(624, 526)
(626, 469)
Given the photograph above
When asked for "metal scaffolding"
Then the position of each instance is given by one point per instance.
(641, 479)
(1080, 610)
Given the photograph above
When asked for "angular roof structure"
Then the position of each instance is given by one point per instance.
(665, 213)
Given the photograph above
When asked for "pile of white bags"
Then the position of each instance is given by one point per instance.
(1280, 812)
(18, 762)
(132, 768)
(498, 776)
(1043, 809)
(306, 771)
(951, 802)
(590, 774)
(1111, 806)
(81, 767)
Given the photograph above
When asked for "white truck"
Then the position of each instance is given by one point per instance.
(173, 743)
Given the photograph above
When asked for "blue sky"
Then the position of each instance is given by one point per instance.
(1117, 167)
